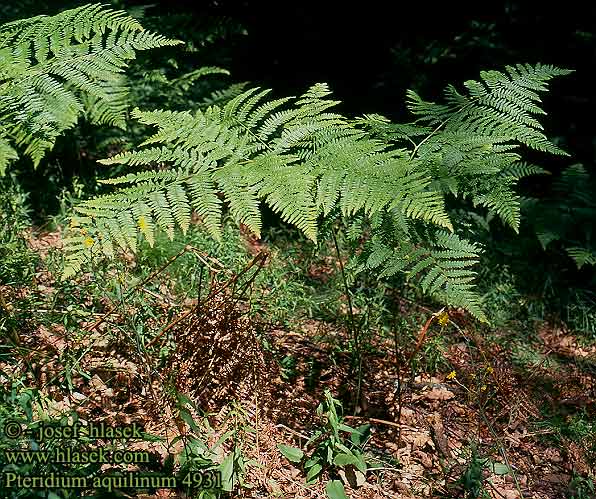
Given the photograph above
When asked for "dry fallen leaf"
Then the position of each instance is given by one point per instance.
(423, 458)
(421, 440)
(352, 477)
(435, 394)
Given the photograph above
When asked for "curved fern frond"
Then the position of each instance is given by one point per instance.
(500, 104)
(255, 150)
(55, 68)
(309, 163)
(582, 256)
(442, 264)
(472, 149)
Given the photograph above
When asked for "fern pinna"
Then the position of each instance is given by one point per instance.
(55, 68)
(309, 163)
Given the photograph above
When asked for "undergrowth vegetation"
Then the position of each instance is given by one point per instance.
(276, 298)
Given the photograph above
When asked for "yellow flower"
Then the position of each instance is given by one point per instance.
(490, 370)
(451, 375)
(88, 242)
(483, 388)
(443, 318)
(142, 223)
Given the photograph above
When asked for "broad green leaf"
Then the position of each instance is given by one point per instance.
(227, 473)
(313, 473)
(292, 454)
(184, 400)
(499, 468)
(187, 418)
(361, 434)
(360, 462)
(335, 490)
(198, 448)
(345, 459)
(343, 448)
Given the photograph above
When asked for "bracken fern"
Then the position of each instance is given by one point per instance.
(308, 163)
(55, 68)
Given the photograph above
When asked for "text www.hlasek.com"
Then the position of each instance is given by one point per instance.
(72, 456)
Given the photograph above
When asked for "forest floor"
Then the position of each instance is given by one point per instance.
(503, 420)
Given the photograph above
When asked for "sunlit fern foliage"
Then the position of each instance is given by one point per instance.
(54, 69)
(470, 144)
(308, 163)
(247, 151)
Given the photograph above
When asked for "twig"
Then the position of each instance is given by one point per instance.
(298, 434)
(169, 326)
(159, 297)
(139, 285)
(375, 420)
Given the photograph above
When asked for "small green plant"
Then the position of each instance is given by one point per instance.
(472, 480)
(330, 451)
(581, 488)
(226, 474)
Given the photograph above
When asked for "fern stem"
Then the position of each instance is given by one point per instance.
(353, 329)
(427, 138)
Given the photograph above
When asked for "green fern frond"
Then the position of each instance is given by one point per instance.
(442, 264)
(575, 184)
(309, 164)
(221, 97)
(582, 256)
(568, 215)
(501, 198)
(382, 127)
(255, 150)
(471, 150)
(521, 169)
(185, 81)
(53, 69)
(500, 104)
